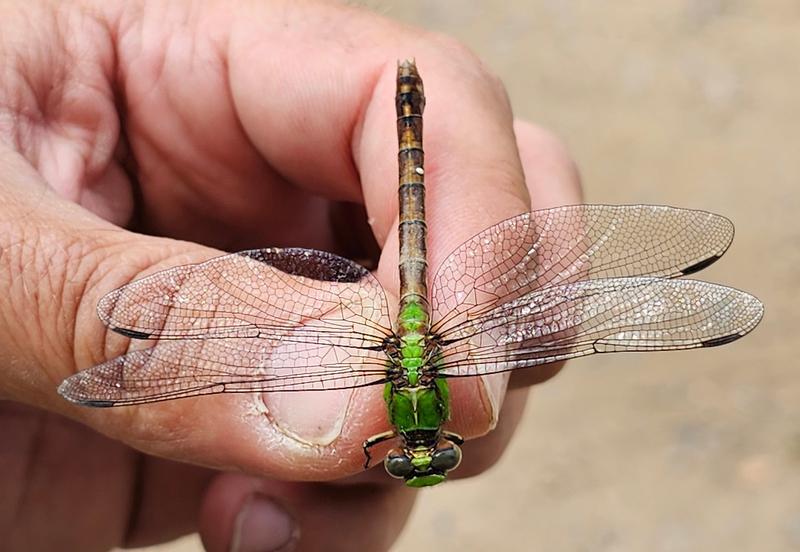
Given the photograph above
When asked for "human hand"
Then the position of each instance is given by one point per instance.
(233, 126)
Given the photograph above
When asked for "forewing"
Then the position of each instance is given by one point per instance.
(598, 316)
(554, 246)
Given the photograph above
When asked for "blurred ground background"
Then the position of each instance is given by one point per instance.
(693, 103)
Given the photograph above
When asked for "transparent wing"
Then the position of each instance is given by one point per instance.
(598, 316)
(567, 244)
(260, 320)
(565, 282)
(176, 369)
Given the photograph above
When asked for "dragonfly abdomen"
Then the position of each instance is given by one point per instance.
(410, 103)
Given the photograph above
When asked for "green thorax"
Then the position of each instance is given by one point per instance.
(415, 409)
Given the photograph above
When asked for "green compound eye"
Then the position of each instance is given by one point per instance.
(446, 458)
(397, 464)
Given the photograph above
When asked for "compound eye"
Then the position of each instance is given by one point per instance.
(397, 464)
(446, 458)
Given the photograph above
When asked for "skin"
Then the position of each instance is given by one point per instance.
(224, 125)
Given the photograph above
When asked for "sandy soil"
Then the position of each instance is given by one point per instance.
(689, 103)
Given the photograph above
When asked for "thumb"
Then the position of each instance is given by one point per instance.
(57, 260)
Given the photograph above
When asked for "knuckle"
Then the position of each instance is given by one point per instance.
(107, 265)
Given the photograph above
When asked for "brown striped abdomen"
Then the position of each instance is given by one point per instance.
(410, 103)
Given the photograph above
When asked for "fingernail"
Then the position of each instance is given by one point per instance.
(309, 417)
(494, 387)
(263, 526)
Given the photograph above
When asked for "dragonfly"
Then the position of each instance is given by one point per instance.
(541, 287)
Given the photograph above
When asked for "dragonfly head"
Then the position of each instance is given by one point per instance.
(423, 466)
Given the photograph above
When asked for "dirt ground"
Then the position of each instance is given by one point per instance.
(687, 103)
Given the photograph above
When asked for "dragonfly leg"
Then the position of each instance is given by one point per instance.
(374, 440)
(453, 437)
